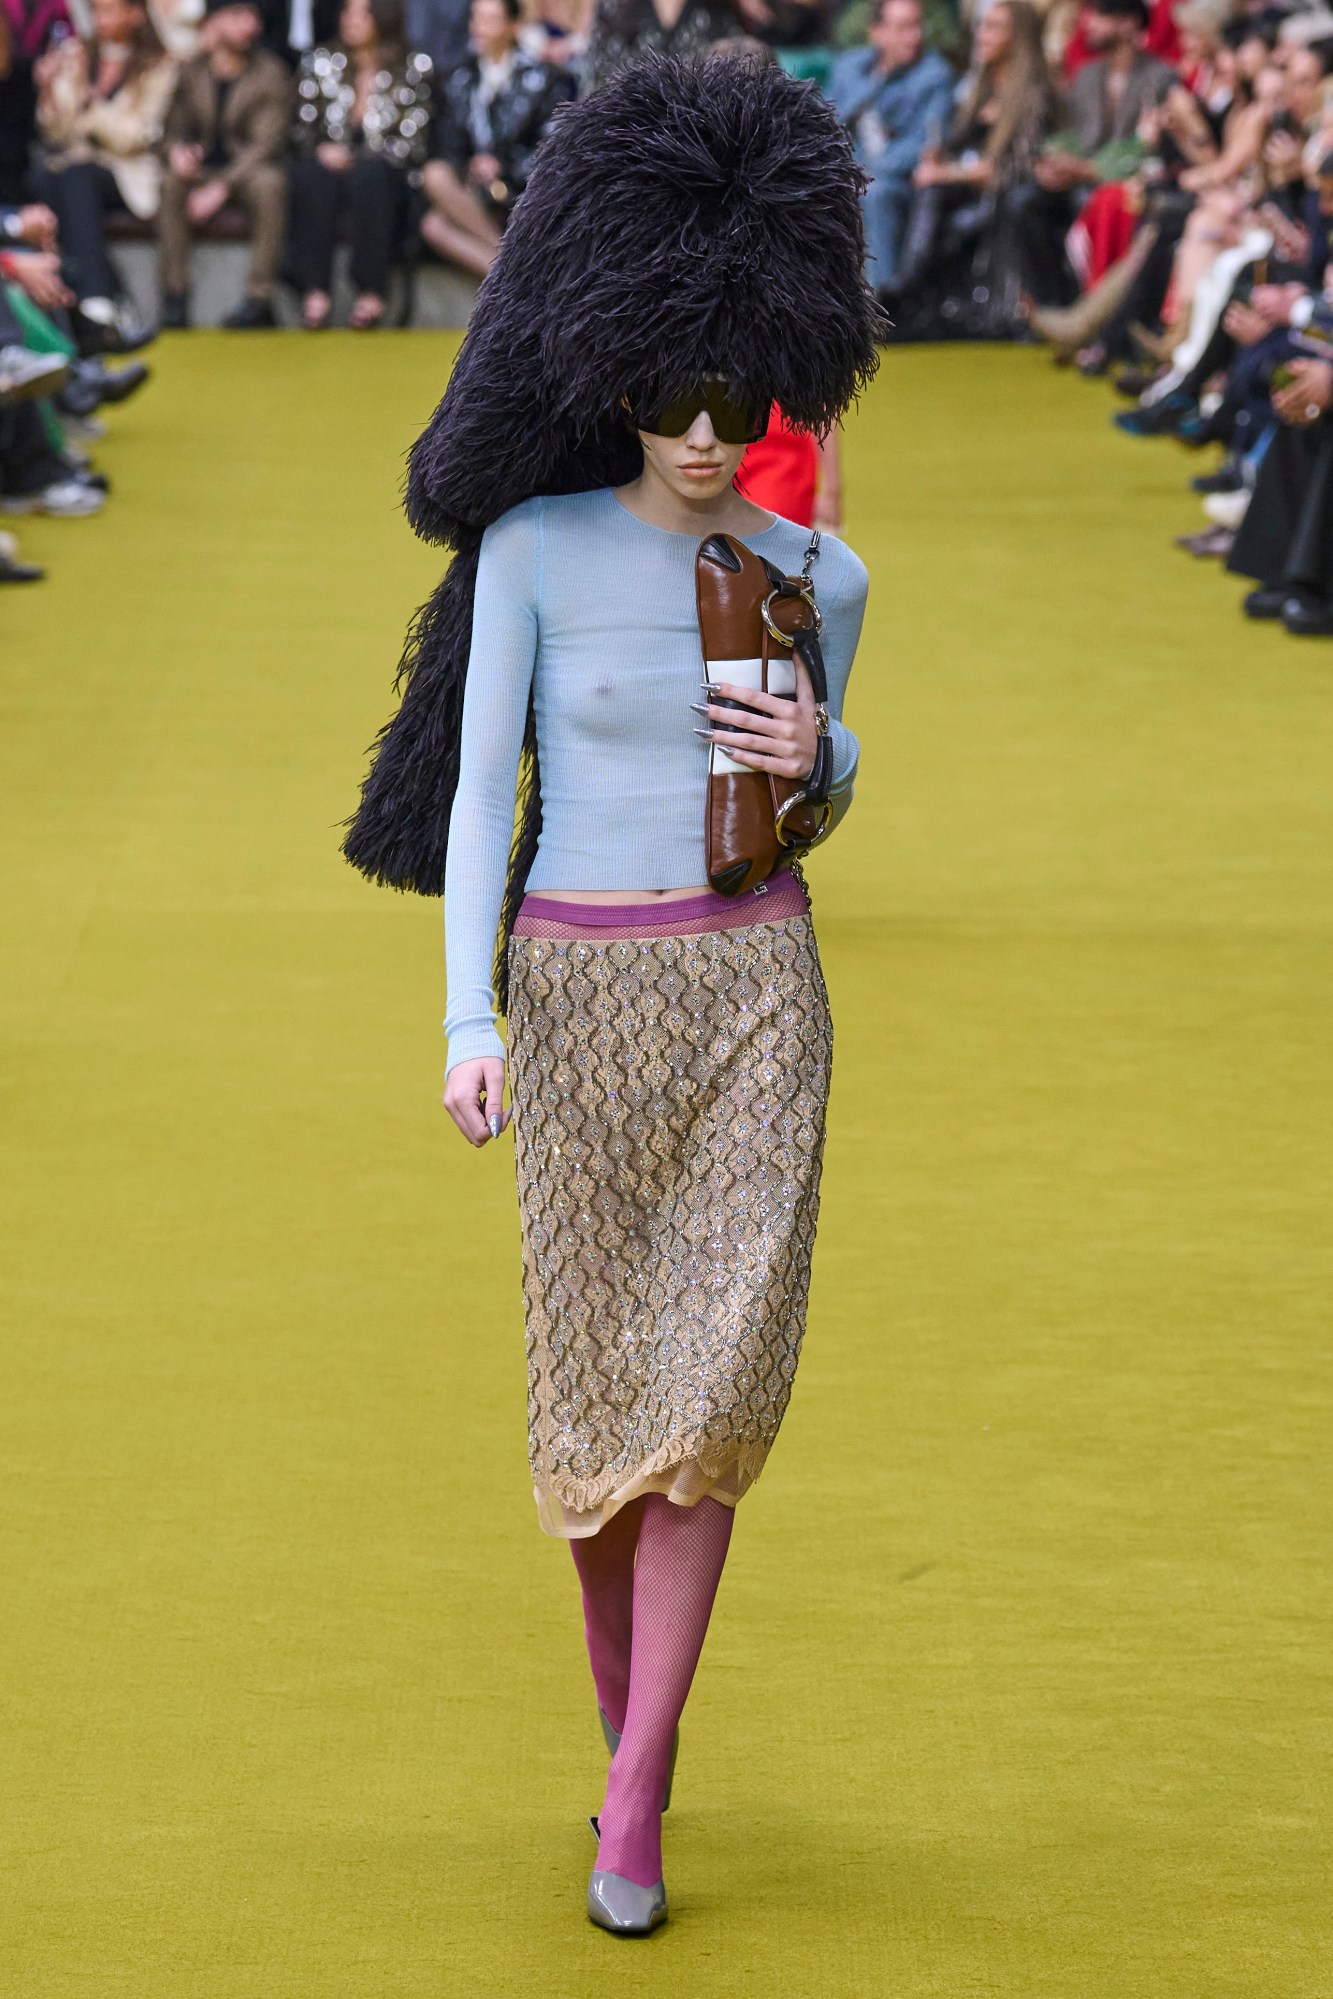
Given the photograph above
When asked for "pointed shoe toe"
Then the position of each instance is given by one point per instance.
(624, 1907)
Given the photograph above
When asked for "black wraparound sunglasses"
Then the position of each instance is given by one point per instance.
(735, 416)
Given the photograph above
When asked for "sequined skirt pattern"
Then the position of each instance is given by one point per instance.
(669, 1101)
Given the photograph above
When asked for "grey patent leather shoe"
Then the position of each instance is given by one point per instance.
(611, 1737)
(622, 1906)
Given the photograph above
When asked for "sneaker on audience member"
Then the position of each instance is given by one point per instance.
(24, 374)
(108, 326)
(1156, 419)
(175, 312)
(1228, 478)
(91, 383)
(66, 499)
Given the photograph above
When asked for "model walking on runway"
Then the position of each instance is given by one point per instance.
(687, 254)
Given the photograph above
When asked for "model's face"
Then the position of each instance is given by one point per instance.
(697, 466)
(897, 33)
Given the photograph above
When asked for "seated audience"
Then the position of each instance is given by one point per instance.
(1285, 538)
(493, 114)
(895, 97)
(958, 219)
(1105, 104)
(362, 127)
(226, 129)
(37, 474)
(100, 113)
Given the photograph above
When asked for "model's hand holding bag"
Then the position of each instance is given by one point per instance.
(754, 624)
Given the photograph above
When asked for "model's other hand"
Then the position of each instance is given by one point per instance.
(473, 1094)
(780, 736)
(333, 156)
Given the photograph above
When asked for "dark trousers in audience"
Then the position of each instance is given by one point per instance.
(28, 459)
(83, 195)
(373, 197)
(1286, 537)
(941, 223)
(263, 192)
(1041, 221)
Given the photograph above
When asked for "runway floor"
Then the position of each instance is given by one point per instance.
(1019, 1681)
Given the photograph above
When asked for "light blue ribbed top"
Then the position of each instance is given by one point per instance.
(592, 610)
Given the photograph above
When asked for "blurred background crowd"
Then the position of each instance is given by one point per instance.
(1144, 187)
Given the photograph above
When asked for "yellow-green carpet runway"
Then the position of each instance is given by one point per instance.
(1019, 1683)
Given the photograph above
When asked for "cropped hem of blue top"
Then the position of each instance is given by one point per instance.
(589, 612)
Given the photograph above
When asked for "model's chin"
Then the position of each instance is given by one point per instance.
(707, 480)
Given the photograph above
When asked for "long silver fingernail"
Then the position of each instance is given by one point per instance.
(698, 708)
(493, 1124)
(707, 734)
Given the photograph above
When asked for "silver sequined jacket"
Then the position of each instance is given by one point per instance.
(397, 115)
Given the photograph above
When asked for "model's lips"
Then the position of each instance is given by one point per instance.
(700, 471)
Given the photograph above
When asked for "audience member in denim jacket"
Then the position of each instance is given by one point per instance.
(895, 97)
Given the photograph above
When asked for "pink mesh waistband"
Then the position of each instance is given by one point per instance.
(546, 916)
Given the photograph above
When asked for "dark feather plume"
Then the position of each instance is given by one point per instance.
(688, 219)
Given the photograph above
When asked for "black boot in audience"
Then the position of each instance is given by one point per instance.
(252, 315)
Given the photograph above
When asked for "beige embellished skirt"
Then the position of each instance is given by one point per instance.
(669, 1065)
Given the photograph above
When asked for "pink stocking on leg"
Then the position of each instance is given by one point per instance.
(680, 1557)
(605, 1562)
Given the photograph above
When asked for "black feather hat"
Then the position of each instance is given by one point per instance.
(691, 218)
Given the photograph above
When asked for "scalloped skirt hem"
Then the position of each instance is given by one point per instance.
(684, 1483)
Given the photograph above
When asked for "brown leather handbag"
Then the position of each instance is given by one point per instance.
(753, 622)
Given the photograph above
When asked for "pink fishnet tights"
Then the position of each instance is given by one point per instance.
(647, 1598)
